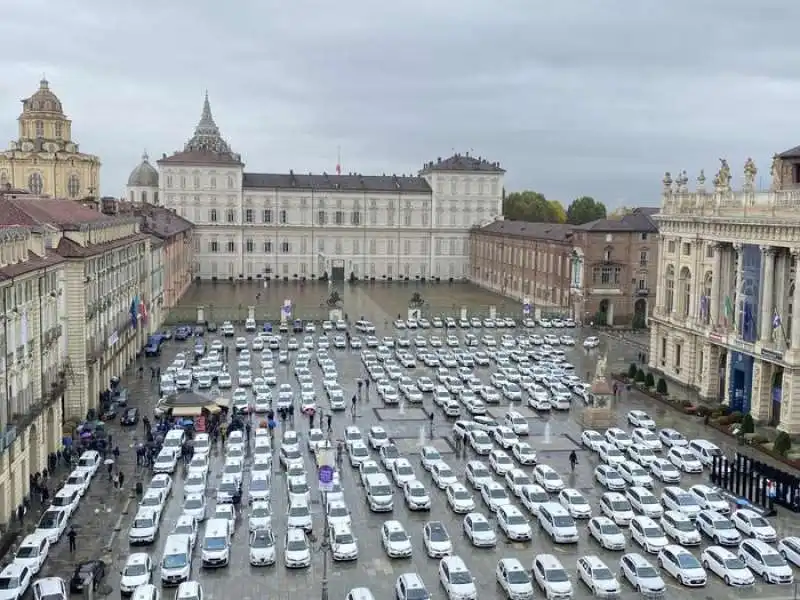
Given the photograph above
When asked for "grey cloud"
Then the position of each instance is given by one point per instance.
(592, 97)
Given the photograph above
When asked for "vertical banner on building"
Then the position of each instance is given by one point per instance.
(326, 461)
(463, 313)
(526, 306)
(286, 311)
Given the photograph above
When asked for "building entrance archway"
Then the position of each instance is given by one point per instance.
(602, 313)
(640, 314)
(776, 395)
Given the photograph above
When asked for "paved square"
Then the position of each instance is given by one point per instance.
(410, 447)
(555, 443)
(402, 414)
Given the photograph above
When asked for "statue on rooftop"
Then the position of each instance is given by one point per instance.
(722, 180)
(701, 180)
(667, 181)
(600, 368)
(750, 172)
(775, 172)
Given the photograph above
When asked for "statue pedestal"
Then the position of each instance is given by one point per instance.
(592, 417)
(492, 312)
(251, 312)
(335, 314)
(200, 315)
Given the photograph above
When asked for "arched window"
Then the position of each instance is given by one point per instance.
(132, 196)
(73, 185)
(686, 290)
(144, 197)
(3, 178)
(669, 289)
(39, 129)
(59, 129)
(35, 183)
(705, 300)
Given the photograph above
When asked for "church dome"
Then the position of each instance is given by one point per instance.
(144, 175)
(43, 100)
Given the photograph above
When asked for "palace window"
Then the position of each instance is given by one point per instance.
(212, 183)
(248, 215)
(59, 129)
(285, 247)
(643, 257)
(266, 216)
(213, 246)
(355, 217)
(230, 216)
(35, 183)
(338, 217)
(74, 185)
(669, 289)
(268, 247)
(39, 129)
(196, 182)
(212, 215)
(231, 246)
(321, 217)
(249, 245)
(230, 182)
(284, 217)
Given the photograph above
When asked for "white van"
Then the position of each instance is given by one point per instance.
(705, 451)
(174, 440)
(380, 493)
(176, 564)
(216, 549)
(67, 499)
(558, 523)
(361, 593)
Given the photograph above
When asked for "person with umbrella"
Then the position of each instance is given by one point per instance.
(109, 463)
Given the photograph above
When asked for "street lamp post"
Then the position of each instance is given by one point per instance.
(325, 546)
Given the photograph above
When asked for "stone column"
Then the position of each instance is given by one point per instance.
(767, 293)
(716, 282)
(795, 342)
(739, 284)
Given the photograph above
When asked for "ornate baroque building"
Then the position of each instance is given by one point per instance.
(44, 159)
(728, 297)
(255, 225)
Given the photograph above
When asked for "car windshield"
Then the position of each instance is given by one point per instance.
(648, 499)
(551, 475)
(481, 526)
(391, 451)
(215, 543)
(142, 522)
(713, 497)
(344, 538)
(228, 486)
(262, 539)
(498, 492)
(734, 564)
(417, 594)
(686, 500)
(578, 500)
(621, 505)
(774, 560)
(610, 529)
(261, 485)
(647, 572)
(460, 577)
(538, 496)
(195, 480)
(183, 529)
(461, 494)
(684, 525)
(49, 520)
(516, 520)
(687, 561)
(298, 510)
(602, 574)
(417, 492)
(556, 575)
(174, 561)
(9, 583)
(381, 490)
(723, 524)
(296, 545)
(563, 521)
(637, 472)
(403, 469)
(27, 552)
(338, 511)
(714, 451)
(518, 577)
(758, 522)
(192, 503)
(223, 513)
(437, 533)
(613, 452)
(398, 536)
(135, 570)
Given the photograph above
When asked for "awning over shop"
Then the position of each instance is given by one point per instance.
(187, 411)
(222, 401)
(213, 409)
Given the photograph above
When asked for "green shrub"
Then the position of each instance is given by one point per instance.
(650, 381)
(747, 424)
(661, 387)
(783, 443)
(632, 370)
(736, 416)
(639, 376)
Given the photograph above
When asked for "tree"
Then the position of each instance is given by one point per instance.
(585, 209)
(416, 300)
(532, 207)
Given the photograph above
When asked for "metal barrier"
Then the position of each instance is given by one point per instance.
(187, 315)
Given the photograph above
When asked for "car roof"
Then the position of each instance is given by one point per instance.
(613, 496)
(638, 560)
(136, 558)
(548, 560)
(412, 580)
(645, 521)
(594, 561)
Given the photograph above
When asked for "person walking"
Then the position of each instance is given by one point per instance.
(433, 415)
(573, 460)
(115, 480)
(71, 537)
(330, 422)
(121, 477)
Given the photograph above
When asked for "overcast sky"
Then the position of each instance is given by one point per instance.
(594, 97)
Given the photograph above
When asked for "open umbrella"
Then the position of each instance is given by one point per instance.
(108, 461)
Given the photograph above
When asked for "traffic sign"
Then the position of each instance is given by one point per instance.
(526, 306)
(325, 469)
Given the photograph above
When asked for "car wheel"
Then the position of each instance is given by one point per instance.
(680, 579)
(727, 580)
(705, 565)
(660, 563)
(716, 540)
